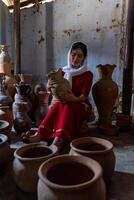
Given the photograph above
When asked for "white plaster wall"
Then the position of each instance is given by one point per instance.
(47, 34)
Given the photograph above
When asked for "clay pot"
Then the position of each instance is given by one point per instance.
(98, 149)
(4, 98)
(22, 95)
(10, 83)
(6, 114)
(123, 122)
(22, 121)
(25, 78)
(105, 92)
(5, 65)
(28, 159)
(71, 177)
(5, 153)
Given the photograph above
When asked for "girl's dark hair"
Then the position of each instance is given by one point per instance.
(80, 45)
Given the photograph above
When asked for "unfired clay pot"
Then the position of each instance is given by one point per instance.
(105, 92)
(98, 149)
(68, 177)
(28, 159)
(5, 153)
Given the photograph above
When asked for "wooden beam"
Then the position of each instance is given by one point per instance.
(17, 49)
(24, 3)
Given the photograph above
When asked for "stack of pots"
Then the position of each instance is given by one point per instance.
(81, 174)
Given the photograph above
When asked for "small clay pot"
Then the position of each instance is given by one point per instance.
(28, 159)
(71, 177)
(98, 149)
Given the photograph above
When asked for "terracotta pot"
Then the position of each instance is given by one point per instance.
(105, 92)
(25, 78)
(71, 177)
(22, 121)
(98, 149)
(28, 159)
(123, 122)
(5, 153)
(10, 83)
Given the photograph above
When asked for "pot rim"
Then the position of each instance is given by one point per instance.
(22, 149)
(4, 138)
(92, 165)
(6, 125)
(106, 143)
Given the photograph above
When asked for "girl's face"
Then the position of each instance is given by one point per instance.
(76, 58)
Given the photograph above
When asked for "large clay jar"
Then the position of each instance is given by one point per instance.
(71, 177)
(6, 114)
(98, 149)
(105, 92)
(22, 121)
(28, 159)
(5, 66)
(5, 153)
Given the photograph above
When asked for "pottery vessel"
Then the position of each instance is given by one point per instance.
(105, 92)
(5, 153)
(27, 161)
(5, 65)
(22, 121)
(4, 98)
(25, 78)
(98, 149)
(10, 84)
(71, 177)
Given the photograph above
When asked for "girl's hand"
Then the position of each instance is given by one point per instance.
(50, 84)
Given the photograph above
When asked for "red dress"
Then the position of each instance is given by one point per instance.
(65, 119)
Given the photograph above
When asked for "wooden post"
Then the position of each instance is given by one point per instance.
(128, 71)
(17, 48)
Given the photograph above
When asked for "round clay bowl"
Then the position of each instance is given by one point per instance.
(98, 149)
(27, 161)
(70, 177)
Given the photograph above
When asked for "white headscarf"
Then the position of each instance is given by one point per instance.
(70, 72)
